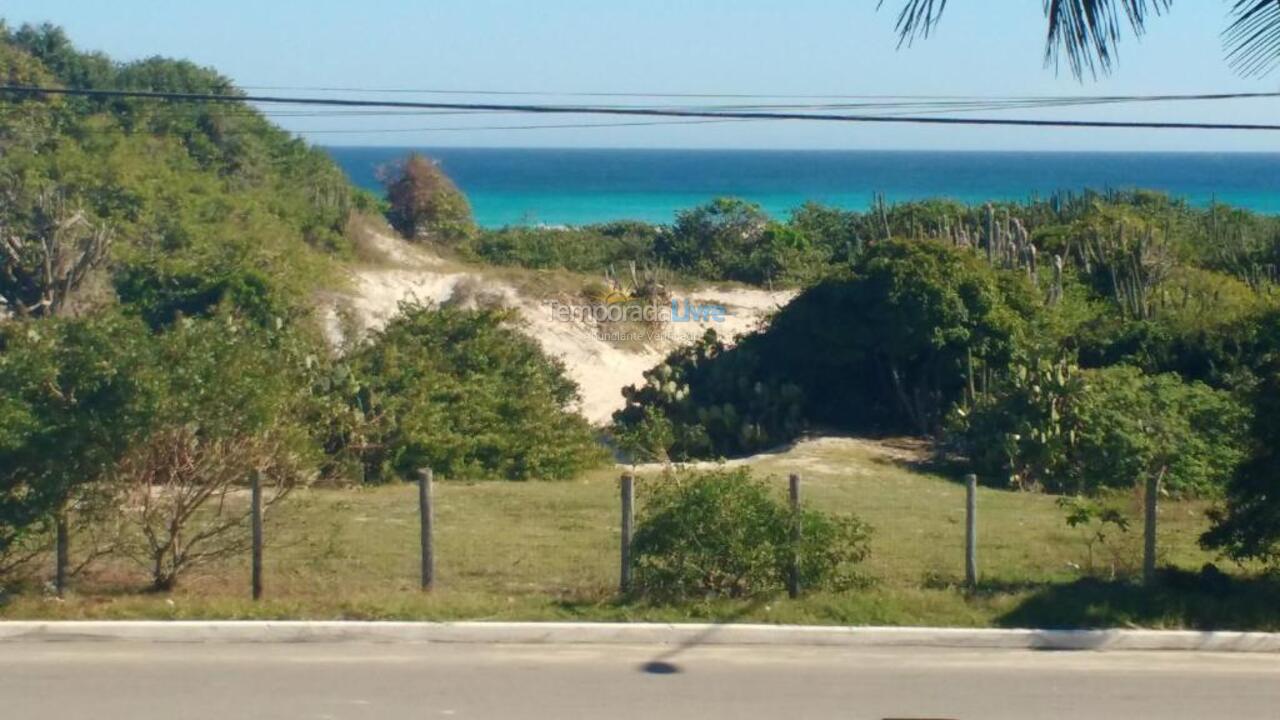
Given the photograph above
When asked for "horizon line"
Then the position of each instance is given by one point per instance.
(562, 148)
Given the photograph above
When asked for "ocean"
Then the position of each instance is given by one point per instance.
(513, 186)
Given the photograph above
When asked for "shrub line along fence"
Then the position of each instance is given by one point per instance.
(426, 514)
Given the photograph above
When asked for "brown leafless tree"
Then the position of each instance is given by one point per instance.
(41, 267)
(186, 496)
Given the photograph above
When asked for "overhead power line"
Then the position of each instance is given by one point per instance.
(550, 126)
(766, 96)
(638, 111)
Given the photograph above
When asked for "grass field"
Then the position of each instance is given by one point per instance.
(543, 551)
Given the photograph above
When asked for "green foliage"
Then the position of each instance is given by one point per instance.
(708, 400)
(83, 396)
(730, 239)
(463, 393)
(904, 338)
(74, 398)
(206, 201)
(714, 240)
(227, 377)
(589, 249)
(424, 202)
(724, 534)
(1247, 525)
(1102, 524)
(1083, 431)
(895, 346)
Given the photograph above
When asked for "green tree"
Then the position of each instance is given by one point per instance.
(1247, 525)
(73, 401)
(230, 400)
(716, 240)
(424, 201)
(905, 337)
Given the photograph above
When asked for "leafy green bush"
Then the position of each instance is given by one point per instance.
(731, 239)
(709, 400)
(1082, 431)
(590, 249)
(463, 393)
(724, 534)
(1247, 525)
(894, 347)
(72, 398)
(228, 398)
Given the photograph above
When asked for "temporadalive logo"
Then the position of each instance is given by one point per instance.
(618, 307)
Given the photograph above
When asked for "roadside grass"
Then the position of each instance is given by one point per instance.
(549, 551)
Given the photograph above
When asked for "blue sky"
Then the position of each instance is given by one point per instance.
(737, 46)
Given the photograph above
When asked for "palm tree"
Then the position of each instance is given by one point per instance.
(1086, 32)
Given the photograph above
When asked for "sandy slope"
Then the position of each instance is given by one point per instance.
(601, 369)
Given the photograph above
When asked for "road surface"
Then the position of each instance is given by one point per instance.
(327, 681)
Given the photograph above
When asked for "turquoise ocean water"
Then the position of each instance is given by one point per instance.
(577, 186)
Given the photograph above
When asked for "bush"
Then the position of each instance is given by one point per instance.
(1083, 431)
(463, 393)
(590, 249)
(893, 348)
(71, 401)
(1247, 525)
(724, 534)
(708, 400)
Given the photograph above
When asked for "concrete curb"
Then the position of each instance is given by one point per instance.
(632, 634)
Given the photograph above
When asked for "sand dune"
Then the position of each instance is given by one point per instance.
(600, 368)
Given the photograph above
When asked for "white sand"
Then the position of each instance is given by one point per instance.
(600, 368)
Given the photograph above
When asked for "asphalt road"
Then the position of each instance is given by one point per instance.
(147, 681)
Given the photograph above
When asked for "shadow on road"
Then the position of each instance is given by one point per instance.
(664, 663)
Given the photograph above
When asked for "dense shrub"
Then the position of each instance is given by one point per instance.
(85, 399)
(901, 341)
(894, 347)
(461, 392)
(229, 399)
(709, 400)
(593, 249)
(1247, 525)
(1082, 431)
(724, 534)
(730, 239)
(72, 399)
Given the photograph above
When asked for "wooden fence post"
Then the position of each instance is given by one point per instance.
(628, 521)
(793, 572)
(62, 552)
(255, 479)
(971, 530)
(1149, 529)
(426, 514)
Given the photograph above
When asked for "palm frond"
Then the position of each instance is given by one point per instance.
(1086, 32)
(917, 19)
(1252, 40)
(1083, 32)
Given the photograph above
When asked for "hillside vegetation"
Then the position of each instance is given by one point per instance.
(159, 343)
